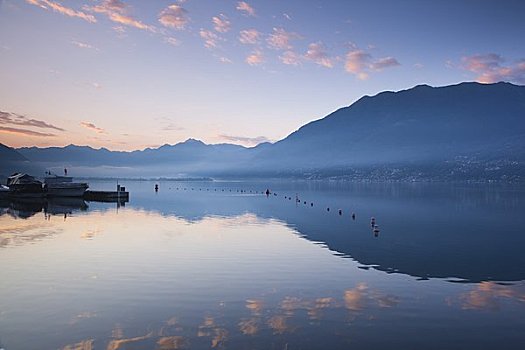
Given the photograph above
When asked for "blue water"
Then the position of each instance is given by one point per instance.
(202, 265)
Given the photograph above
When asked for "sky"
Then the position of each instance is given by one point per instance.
(130, 74)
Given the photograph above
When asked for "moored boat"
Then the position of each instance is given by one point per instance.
(63, 186)
(24, 185)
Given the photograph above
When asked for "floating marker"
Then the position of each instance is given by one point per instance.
(340, 212)
(312, 204)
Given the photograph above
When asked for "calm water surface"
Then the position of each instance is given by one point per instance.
(204, 265)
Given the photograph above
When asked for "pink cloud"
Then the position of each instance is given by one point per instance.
(25, 132)
(57, 7)
(317, 54)
(117, 11)
(7, 118)
(244, 140)
(83, 45)
(361, 63)
(211, 40)
(172, 41)
(249, 36)
(221, 23)
(92, 127)
(245, 8)
(255, 58)
(174, 16)
(357, 61)
(290, 58)
(491, 68)
(280, 39)
(385, 62)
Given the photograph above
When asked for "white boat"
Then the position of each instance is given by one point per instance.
(63, 186)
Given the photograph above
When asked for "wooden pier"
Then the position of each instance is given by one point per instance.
(107, 196)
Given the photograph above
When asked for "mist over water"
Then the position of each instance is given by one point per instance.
(221, 265)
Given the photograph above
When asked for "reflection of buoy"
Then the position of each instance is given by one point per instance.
(327, 209)
(353, 216)
(340, 212)
(376, 229)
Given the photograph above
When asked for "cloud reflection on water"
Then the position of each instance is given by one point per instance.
(20, 232)
(172, 343)
(82, 345)
(489, 295)
(117, 344)
(287, 315)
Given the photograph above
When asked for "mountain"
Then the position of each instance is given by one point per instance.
(417, 125)
(10, 154)
(464, 131)
(12, 161)
(191, 157)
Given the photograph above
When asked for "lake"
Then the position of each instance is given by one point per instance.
(221, 265)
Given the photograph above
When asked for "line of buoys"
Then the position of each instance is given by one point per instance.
(374, 226)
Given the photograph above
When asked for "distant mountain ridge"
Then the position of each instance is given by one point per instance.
(458, 131)
(418, 124)
(11, 160)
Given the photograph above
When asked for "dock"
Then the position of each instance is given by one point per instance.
(107, 196)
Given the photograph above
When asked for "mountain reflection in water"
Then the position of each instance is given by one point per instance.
(214, 267)
(467, 233)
